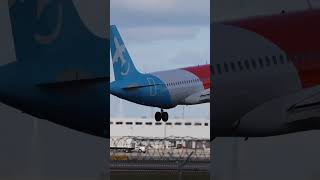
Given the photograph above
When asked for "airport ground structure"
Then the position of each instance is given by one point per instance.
(143, 144)
(149, 128)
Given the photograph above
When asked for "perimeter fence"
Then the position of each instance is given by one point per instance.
(159, 149)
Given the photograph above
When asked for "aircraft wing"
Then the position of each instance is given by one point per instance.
(298, 111)
(68, 83)
(199, 97)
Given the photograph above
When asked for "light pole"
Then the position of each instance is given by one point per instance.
(182, 164)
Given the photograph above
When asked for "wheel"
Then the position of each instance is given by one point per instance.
(157, 116)
(165, 116)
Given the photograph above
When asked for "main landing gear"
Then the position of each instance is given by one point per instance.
(161, 115)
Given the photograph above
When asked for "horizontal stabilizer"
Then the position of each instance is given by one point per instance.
(81, 82)
(136, 86)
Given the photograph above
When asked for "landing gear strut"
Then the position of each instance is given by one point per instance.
(161, 115)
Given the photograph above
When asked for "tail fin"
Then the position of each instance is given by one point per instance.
(54, 32)
(122, 63)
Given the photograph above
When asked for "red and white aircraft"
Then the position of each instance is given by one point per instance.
(266, 75)
(164, 89)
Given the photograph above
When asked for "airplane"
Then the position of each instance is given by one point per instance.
(265, 71)
(61, 72)
(164, 89)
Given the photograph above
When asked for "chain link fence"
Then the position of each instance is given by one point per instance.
(167, 149)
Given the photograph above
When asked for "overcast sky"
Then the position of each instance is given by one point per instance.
(231, 9)
(161, 35)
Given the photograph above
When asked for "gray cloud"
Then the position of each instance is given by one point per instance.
(160, 12)
(147, 21)
(191, 58)
(155, 33)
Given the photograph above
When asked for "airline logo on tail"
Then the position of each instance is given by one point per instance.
(123, 66)
(118, 56)
(49, 38)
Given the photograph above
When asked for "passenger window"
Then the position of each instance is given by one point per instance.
(253, 62)
(233, 67)
(281, 59)
(226, 68)
(219, 68)
(267, 61)
(260, 62)
(240, 65)
(246, 63)
(274, 58)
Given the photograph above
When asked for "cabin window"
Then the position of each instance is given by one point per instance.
(226, 68)
(281, 59)
(253, 62)
(218, 68)
(274, 58)
(246, 63)
(129, 123)
(233, 67)
(240, 65)
(267, 61)
(260, 62)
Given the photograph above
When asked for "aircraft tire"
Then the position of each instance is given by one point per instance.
(157, 116)
(165, 116)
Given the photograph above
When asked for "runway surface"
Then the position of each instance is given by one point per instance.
(158, 166)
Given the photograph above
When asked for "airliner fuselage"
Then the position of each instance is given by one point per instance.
(265, 74)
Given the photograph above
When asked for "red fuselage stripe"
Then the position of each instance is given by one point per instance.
(202, 72)
(296, 34)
